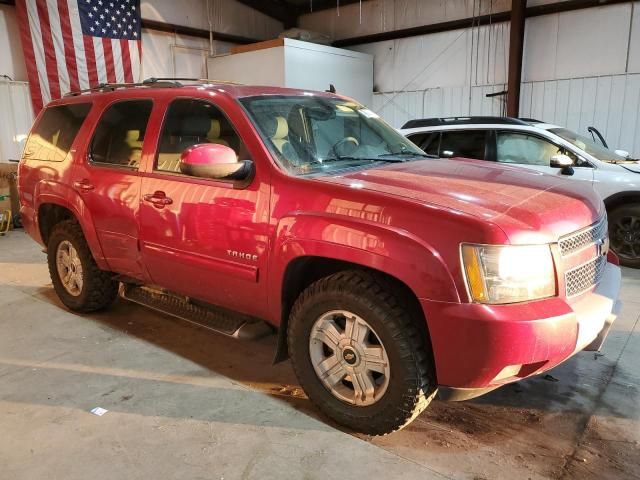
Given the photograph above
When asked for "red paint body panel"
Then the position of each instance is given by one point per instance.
(231, 246)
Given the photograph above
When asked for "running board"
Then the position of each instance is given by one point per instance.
(219, 320)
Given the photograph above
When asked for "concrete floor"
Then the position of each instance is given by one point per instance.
(187, 403)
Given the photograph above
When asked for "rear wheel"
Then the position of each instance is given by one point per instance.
(359, 355)
(624, 234)
(76, 278)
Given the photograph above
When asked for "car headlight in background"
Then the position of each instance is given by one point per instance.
(508, 274)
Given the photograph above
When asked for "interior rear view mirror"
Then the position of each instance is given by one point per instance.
(212, 160)
(564, 162)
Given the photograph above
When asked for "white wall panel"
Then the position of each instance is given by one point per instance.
(11, 59)
(609, 103)
(16, 119)
(540, 48)
(170, 55)
(592, 41)
(399, 107)
(444, 59)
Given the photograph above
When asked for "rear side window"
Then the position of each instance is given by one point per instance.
(464, 143)
(429, 141)
(52, 137)
(120, 133)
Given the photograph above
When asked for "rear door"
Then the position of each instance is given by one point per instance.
(204, 238)
(535, 152)
(109, 181)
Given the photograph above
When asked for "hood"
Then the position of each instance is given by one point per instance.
(529, 206)
(631, 166)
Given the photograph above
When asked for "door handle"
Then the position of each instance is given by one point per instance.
(83, 185)
(158, 199)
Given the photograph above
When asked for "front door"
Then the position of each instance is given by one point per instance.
(204, 238)
(535, 152)
(109, 182)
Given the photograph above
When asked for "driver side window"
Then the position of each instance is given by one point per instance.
(192, 122)
(526, 149)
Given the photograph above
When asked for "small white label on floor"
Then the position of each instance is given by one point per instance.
(99, 411)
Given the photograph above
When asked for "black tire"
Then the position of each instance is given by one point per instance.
(412, 383)
(625, 236)
(99, 289)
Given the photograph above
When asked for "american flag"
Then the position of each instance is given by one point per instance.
(71, 45)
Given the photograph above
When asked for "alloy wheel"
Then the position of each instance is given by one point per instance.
(349, 358)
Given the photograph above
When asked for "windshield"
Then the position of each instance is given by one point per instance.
(321, 135)
(588, 145)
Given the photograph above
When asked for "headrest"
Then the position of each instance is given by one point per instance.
(214, 130)
(133, 136)
(278, 128)
(194, 126)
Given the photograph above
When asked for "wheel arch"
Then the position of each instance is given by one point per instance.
(52, 209)
(621, 198)
(410, 268)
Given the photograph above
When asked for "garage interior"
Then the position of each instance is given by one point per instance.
(182, 401)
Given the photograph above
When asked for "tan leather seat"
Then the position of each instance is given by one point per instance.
(280, 135)
(213, 135)
(132, 139)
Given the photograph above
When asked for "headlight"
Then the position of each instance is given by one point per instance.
(508, 274)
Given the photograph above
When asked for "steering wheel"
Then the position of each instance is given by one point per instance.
(345, 147)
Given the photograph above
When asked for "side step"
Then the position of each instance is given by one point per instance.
(217, 319)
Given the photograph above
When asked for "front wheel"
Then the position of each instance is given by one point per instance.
(624, 234)
(76, 278)
(359, 355)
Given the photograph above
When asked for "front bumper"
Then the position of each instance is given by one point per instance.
(478, 348)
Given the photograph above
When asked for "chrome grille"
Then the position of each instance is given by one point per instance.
(582, 278)
(583, 238)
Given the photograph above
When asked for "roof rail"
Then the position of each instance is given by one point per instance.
(110, 87)
(158, 82)
(196, 80)
(530, 120)
(439, 121)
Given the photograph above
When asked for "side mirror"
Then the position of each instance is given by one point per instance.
(564, 162)
(212, 160)
(622, 153)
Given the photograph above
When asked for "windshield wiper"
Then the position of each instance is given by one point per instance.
(406, 154)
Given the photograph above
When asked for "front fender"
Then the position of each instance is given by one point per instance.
(47, 192)
(390, 250)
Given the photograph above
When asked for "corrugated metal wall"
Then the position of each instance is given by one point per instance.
(610, 103)
(16, 117)
(398, 107)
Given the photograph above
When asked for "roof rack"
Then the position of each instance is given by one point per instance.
(157, 82)
(110, 87)
(439, 121)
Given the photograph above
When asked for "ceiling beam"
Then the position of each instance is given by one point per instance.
(277, 9)
(194, 32)
(317, 5)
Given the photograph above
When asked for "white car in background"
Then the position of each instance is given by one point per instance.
(550, 149)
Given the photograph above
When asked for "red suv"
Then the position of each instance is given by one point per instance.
(390, 275)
